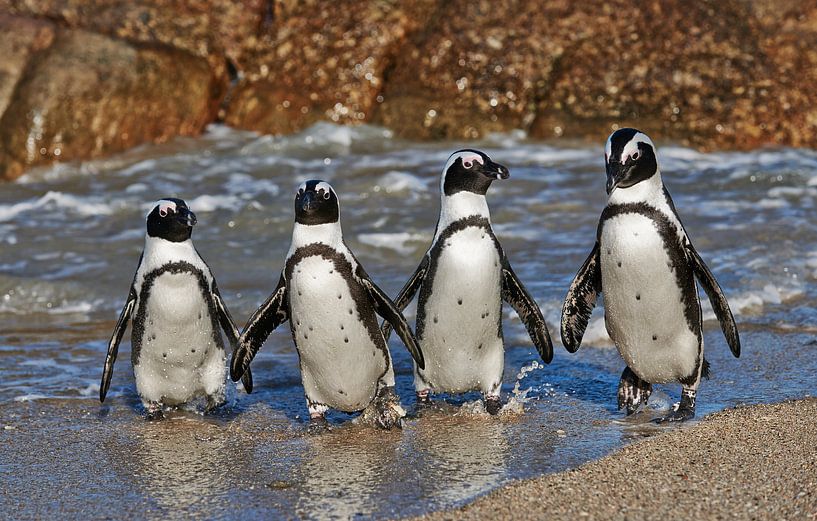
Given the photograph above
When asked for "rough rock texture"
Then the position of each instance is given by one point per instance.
(21, 39)
(747, 463)
(321, 61)
(88, 95)
(710, 73)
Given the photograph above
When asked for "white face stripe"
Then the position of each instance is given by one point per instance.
(323, 185)
(632, 146)
(165, 207)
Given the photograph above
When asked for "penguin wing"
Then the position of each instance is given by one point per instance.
(580, 301)
(272, 313)
(408, 292)
(233, 336)
(515, 294)
(387, 309)
(113, 344)
(716, 297)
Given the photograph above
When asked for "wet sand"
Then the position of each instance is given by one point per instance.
(756, 462)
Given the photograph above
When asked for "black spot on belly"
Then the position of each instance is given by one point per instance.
(340, 391)
(199, 316)
(346, 340)
(638, 296)
(619, 264)
(192, 350)
(341, 327)
(655, 337)
(331, 271)
(306, 337)
(340, 296)
(310, 328)
(350, 311)
(479, 346)
(164, 355)
(436, 319)
(459, 301)
(299, 293)
(374, 353)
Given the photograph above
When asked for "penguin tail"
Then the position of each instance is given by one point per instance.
(705, 369)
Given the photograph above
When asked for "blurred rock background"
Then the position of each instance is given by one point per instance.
(80, 79)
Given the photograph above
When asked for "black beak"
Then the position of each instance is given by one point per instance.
(186, 216)
(496, 171)
(309, 202)
(616, 172)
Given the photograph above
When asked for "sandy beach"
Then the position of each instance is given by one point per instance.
(754, 462)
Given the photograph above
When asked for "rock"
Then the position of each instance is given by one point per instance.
(20, 39)
(209, 28)
(476, 67)
(87, 95)
(321, 61)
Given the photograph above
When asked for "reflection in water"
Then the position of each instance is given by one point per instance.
(347, 472)
(467, 452)
(180, 465)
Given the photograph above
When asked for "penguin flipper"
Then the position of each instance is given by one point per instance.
(515, 294)
(387, 309)
(113, 344)
(408, 292)
(580, 301)
(230, 329)
(272, 313)
(716, 297)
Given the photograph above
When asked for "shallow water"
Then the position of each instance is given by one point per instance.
(70, 238)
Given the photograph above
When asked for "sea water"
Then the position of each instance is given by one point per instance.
(70, 239)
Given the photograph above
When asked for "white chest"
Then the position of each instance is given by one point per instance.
(460, 334)
(178, 329)
(644, 308)
(340, 363)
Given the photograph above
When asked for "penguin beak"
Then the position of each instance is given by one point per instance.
(309, 202)
(187, 217)
(616, 173)
(496, 171)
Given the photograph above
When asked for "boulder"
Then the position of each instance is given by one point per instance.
(321, 61)
(87, 95)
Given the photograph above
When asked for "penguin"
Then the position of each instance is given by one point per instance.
(646, 266)
(463, 279)
(330, 302)
(178, 314)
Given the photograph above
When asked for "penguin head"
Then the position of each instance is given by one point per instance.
(171, 220)
(316, 203)
(629, 158)
(471, 171)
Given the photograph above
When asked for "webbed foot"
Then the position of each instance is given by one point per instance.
(682, 411)
(155, 411)
(388, 412)
(633, 392)
(493, 404)
(318, 425)
(213, 403)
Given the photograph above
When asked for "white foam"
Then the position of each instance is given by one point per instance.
(83, 206)
(394, 241)
(30, 397)
(396, 181)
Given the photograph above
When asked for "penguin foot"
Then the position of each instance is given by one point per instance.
(155, 412)
(493, 404)
(633, 392)
(318, 425)
(423, 398)
(213, 403)
(682, 411)
(388, 412)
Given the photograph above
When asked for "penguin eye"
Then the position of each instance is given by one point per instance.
(326, 195)
(467, 163)
(162, 212)
(636, 155)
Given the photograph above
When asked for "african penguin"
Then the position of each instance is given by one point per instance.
(177, 348)
(645, 264)
(462, 280)
(330, 303)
